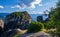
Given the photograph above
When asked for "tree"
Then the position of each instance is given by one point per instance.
(55, 16)
(35, 27)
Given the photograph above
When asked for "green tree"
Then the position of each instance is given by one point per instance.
(35, 27)
(49, 25)
(55, 16)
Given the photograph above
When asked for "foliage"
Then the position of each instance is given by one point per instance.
(55, 15)
(35, 27)
(16, 35)
(49, 25)
(52, 33)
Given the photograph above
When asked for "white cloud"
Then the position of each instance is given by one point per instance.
(16, 6)
(34, 3)
(29, 3)
(1, 6)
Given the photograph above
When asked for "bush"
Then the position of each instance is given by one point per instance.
(52, 33)
(58, 29)
(35, 27)
(50, 25)
(16, 35)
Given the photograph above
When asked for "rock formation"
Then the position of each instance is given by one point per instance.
(1, 26)
(1, 23)
(39, 18)
(17, 20)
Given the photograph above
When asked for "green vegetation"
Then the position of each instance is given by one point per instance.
(35, 27)
(16, 35)
(53, 23)
(49, 25)
(55, 17)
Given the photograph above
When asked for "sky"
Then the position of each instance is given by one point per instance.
(32, 6)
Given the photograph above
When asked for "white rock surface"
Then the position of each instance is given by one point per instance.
(38, 34)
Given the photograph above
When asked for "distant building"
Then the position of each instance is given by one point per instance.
(39, 18)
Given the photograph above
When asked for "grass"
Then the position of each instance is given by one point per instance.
(16, 35)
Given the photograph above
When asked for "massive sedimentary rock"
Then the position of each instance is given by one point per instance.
(1, 26)
(17, 20)
(1, 23)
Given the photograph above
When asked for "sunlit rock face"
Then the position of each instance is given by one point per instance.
(1, 26)
(1, 23)
(17, 20)
(13, 32)
(37, 34)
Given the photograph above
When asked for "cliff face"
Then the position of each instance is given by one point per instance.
(1, 23)
(1, 27)
(17, 20)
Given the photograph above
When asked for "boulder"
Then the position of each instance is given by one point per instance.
(13, 32)
(1, 27)
(17, 20)
(39, 18)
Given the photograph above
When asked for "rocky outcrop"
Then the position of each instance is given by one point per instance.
(1, 26)
(1, 23)
(17, 20)
(39, 18)
(9, 33)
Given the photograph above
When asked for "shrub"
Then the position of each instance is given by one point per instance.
(35, 27)
(16, 35)
(50, 25)
(58, 30)
(52, 33)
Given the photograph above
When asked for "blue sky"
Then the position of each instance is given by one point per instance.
(32, 6)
